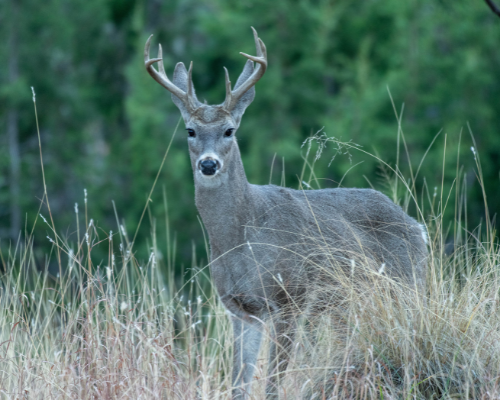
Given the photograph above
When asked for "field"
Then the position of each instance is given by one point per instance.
(126, 328)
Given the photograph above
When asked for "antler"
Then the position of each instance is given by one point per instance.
(161, 77)
(232, 97)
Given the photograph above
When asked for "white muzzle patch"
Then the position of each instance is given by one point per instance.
(209, 165)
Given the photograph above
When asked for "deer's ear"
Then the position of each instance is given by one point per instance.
(247, 98)
(180, 80)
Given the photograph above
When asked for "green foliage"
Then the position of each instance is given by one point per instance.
(105, 124)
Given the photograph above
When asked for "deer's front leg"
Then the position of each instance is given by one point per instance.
(282, 331)
(247, 338)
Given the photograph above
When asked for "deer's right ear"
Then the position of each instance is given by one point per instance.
(245, 100)
(180, 80)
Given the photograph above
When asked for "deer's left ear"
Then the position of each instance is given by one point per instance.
(245, 100)
(181, 80)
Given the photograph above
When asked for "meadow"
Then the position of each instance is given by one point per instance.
(112, 298)
(122, 327)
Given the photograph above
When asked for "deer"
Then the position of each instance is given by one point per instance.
(264, 239)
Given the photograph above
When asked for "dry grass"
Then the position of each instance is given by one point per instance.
(115, 331)
(122, 329)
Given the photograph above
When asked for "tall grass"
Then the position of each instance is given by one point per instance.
(105, 331)
(121, 328)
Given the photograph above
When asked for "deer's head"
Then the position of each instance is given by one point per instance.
(211, 128)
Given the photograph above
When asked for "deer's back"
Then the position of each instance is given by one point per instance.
(353, 221)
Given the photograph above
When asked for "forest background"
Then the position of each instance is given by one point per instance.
(105, 124)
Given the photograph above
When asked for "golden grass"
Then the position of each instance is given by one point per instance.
(123, 330)
(120, 328)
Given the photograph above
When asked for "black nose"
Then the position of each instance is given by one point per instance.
(208, 167)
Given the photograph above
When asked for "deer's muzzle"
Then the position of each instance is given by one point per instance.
(208, 166)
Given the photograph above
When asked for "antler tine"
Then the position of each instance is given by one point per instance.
(190, 79)
(147, 61)
(161, 67)
(190, 89)
(228, 86)
(260, 69)
(263, 49)
(257, 44)
(161, 77)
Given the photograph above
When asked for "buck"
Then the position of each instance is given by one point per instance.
(266, 242)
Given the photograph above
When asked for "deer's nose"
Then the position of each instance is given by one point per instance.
(208, 167)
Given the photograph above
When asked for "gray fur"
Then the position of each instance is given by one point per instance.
(270, 246)
(263, 235)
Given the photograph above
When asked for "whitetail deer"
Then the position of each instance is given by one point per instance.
(266, 240)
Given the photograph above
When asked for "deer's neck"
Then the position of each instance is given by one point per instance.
(224, 207)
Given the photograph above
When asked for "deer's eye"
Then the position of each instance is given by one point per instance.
(229, 132)
(191, 132)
